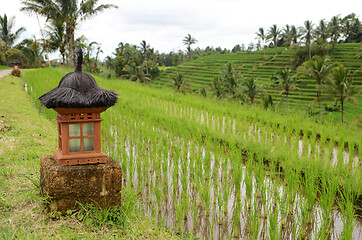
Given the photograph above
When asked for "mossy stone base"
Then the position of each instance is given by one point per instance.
(65, 186)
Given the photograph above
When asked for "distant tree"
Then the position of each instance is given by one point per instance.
(340, 86)
(99, 50)
(2, 51)
(109, 63)
(258, 46)
(31, 52)
(69, 11)
(287, 35)
(250, 88)
(335, 28)
(231, 79)
(294, 35)
(243, 47)
(146, 53)
(217, 86)
(273, 34)
(55, 32)
(322, 31)
(287, 81)
(261, 35)
(136, 74)
(318, 69)
(352, 28)
(89, 49)
(236, 48)
(250, 47)
(179, 83)
(188, 41)
(176, 60)
(7, 35)
(308, 35)
(145, 49)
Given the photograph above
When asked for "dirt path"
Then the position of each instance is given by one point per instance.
(4, 73)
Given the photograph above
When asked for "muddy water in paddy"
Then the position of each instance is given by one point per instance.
(199, 196)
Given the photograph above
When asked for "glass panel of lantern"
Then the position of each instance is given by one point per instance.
(88, 144)
(88, 129)
(74, 145)
(74, 130)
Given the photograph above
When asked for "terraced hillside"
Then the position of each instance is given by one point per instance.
(201, 71)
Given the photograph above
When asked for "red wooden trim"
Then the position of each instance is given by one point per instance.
(65, 111)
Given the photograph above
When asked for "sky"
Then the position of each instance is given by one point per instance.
(163, 24)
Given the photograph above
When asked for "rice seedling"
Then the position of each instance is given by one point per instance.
(187, 156)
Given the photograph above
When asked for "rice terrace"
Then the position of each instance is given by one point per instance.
(256, 142)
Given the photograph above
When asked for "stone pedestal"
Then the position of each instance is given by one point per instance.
(65, 186)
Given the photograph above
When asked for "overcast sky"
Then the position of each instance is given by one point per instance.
(165, 23)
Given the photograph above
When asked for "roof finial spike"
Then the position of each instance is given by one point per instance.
(78, 68)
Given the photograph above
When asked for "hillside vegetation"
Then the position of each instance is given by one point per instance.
(252, 64)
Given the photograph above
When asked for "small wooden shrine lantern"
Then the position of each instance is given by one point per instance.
(79, 102)
(16, 65)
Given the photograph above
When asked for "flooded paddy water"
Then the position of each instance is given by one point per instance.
(219, 193)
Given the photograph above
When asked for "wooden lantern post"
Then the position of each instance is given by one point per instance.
(79, 172)
(16, 65)
(16, 71)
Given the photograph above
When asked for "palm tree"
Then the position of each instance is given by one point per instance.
(319, 69)
(322, 31)
(188, 41)
(250, 88)
(179, 83)
(2, 52)
(231, 79)
(145, 48)
(273, 34)
(217, 86)
(109, 62)
(308, 35)
(136, 74)
(145, 51)
(287, 35)
(31, 52)
(340, 86)
(69, 11)
(287, 81)
(351, 26)
(55, 32)
(262, 37)
(6, 33)
(335, 27)
(294, 35)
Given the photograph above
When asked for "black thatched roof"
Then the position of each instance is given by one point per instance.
(78, 90)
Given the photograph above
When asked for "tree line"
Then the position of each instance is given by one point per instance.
(62, 18)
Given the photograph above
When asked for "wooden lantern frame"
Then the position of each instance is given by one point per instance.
(16, 65)
(65, 155)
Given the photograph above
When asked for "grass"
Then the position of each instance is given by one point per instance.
(2, 67)
(25, 136)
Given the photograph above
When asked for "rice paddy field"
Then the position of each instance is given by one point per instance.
(218, 170)
(199, 73)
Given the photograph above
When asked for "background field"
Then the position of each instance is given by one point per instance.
(200, 71)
